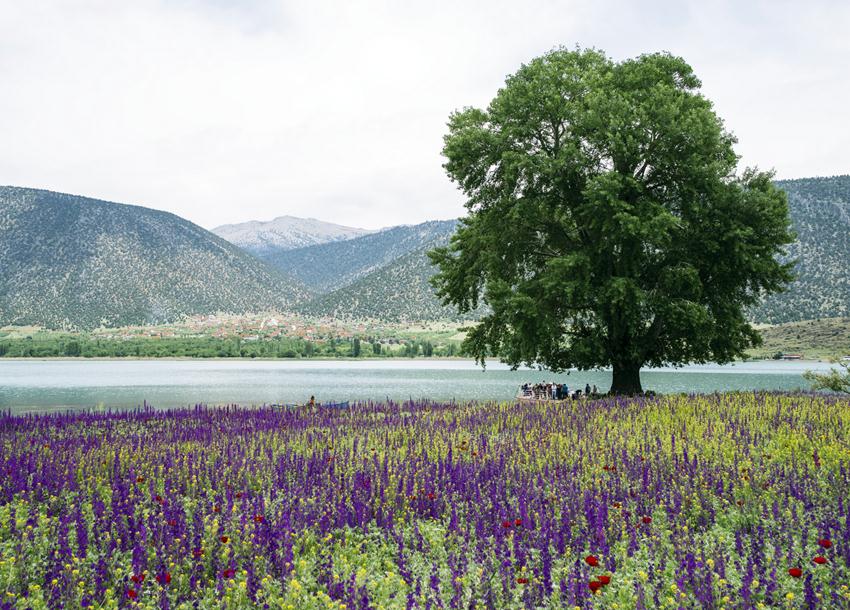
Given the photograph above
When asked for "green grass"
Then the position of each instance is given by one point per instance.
(815, 339)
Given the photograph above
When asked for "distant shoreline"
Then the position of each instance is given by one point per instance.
(234, 359)
(342, 359)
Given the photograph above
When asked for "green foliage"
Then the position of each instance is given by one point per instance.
(47, 344)
(836, 380)
(73, 348)
(606, 225)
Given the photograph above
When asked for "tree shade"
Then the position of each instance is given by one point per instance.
(606, 224)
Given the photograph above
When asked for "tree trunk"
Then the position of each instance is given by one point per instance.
(626, 380)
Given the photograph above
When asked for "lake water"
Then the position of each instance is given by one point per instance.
(37, 385)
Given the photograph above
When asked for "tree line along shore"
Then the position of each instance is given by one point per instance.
(813, 339)
(49, 345)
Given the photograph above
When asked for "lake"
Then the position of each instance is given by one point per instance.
(39, 385)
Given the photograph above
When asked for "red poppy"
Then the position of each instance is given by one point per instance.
(605, 579)
(506, 524)
(594, 585)
(198, 552)
(238, 495)
(138, 578)
(819, 559)
(131, 593)
(158, 499)
(647, 520)
(164, 578)
(216, 508)
(522, 581)
(229, 573)
(517, 522)
(592, 560)
(431, 496)
(795, 572)
(259, 518)
(224, 539)
(172, 522)
(825, 542)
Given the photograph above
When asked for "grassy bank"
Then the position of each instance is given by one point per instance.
(815, 339)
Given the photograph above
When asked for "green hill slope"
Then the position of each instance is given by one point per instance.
(397, 292)
(73, 261)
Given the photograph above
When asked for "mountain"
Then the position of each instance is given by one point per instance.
(820, 214)
(284, 233)
(332, 266)
(67, 260)
(396, 292)
(74, 261)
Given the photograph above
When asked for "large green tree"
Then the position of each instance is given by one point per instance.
(607, 225)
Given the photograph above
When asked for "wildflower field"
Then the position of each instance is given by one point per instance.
(735, 500)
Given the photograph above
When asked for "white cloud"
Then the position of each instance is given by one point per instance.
(223, 111)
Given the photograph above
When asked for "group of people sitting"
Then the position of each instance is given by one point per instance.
(555, 391)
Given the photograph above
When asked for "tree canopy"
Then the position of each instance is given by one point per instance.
(606, 224)
(835, 380)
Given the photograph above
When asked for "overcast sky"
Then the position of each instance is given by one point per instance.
(230, 110)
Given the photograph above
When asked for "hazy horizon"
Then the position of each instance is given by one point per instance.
(224, 112)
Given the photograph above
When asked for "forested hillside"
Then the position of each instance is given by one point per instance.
(397, 292)
(68, 261)
(820, 213)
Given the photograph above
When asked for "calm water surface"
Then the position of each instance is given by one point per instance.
(36, 385)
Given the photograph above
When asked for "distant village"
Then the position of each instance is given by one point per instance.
(273, 325)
